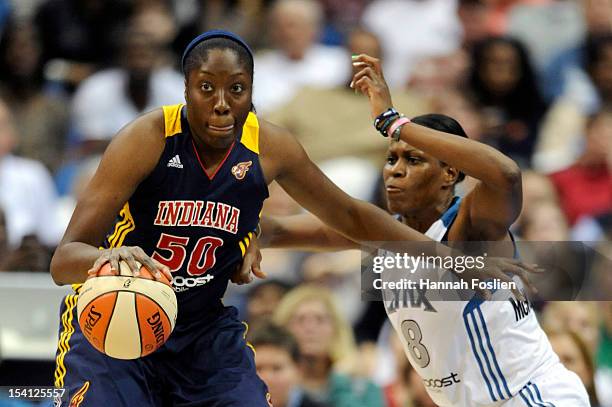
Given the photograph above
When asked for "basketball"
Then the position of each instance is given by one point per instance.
(126, 317)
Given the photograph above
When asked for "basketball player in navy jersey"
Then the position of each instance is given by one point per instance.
(187, 183)
(469, 353)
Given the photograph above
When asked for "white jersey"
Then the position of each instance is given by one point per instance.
(472, 353)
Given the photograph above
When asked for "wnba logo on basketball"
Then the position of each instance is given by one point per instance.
(157, 327)
(91, 320)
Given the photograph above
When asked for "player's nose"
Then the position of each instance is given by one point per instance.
(221, 105)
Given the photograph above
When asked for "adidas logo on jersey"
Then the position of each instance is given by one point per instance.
(175, 162)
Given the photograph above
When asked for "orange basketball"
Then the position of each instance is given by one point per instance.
(126, 317)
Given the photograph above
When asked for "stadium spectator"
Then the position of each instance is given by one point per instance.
(561, 132)
(341, 16)
(410, 31)
(79, 36)
(545, 28)
(585, 188)
(603, 375)
(277, 359)
(473, 16)
(41, 118)
(497, 20)
(504, 84)
(27, 193)
(581, 317)
(544, 222)
(31, 255)
(576, 356)
(297, 59)
(245, 18)
(156, 20)
(327, 347)
(566, 73)
(338, 273)
(263, 299)
(111, 98)
(346, 132)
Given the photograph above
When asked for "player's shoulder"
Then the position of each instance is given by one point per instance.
(278, 148)
(271, 134)
(150, 125)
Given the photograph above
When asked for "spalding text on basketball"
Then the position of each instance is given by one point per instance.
(157, 327)
(92, 319)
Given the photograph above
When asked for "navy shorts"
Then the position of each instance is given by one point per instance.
(205, 363)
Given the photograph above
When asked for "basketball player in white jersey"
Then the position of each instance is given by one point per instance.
(468, 353)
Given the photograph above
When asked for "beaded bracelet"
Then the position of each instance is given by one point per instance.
(385, 119)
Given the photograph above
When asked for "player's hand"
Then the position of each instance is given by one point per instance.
(502, 268)
(131, 255)
(370, 81)
(251, 265)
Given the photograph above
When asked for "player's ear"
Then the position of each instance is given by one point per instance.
(185, 90)
(450, 175)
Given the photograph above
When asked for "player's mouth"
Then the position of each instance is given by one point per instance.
(221, 129)
(393, 190)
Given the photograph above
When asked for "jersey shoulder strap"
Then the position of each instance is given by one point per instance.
(172, 119)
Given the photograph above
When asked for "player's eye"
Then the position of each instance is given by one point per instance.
(206, 87)
(391, 160)
(237, 88)
(413, 160)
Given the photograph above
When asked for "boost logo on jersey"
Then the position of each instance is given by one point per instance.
(443, 382)
(180, 283)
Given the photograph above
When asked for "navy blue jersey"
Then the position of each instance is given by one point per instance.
(198, 224)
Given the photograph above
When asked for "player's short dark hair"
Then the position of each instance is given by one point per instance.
(442, 123)
(270, 334)
(269, 282)
(199, 54)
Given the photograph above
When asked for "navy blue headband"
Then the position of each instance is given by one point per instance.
(213, 34)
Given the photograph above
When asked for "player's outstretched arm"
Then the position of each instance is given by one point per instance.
(287, 162)
(303, 232)
(496, 200)
(129, 158)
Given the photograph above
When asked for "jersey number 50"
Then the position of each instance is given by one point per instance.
(201, 259)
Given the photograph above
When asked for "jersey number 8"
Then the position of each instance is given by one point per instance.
(413, 336)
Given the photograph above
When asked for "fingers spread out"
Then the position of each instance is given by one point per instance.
(363, 85)
(100, 261)
(132, 255)
(502, 276)
(113, 259)
(164, 269)
(131, 261)
(366, 60)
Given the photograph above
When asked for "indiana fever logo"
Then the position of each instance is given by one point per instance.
(79, 396)
(239, 170)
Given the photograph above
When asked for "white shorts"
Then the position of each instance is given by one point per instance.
(558, 387)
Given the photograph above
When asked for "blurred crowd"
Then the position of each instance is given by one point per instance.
(532, 78)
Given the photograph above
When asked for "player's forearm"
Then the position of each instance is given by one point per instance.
(71, 261)
(471, 157)
(372, 224)
(303, 232)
